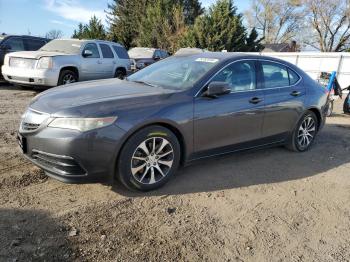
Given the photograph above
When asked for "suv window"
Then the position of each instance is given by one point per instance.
(93, 48)
(106, 51)
(164, 54)
(157, 54)
(275, 75)
(33, 44)
(293, 77)
(15, 43)
(241, 76)
(121, 52)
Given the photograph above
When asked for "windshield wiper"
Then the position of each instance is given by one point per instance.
(143, 82)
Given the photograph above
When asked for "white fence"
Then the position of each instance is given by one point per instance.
(314, 63)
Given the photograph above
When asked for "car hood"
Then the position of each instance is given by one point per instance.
(109, 92)
(35, 54)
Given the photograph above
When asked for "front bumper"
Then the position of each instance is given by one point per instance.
(72, 156)
(30, 77)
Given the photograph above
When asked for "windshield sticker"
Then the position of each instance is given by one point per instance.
(207, 60)
(75, 45)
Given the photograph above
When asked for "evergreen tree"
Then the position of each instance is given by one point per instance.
(221, 28)
(93, 30)
(124, 18)
(253, 44)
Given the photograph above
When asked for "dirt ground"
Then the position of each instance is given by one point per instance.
(267, 205)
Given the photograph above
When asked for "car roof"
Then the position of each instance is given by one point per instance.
(89, 40)
(223, 56)
(25, 36)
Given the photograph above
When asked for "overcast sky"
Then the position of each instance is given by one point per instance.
(40, 16)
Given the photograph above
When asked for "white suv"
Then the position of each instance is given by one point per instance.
(64, 61)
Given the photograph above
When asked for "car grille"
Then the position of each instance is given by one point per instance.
(22, 62)
(61, 165)
(32, 120)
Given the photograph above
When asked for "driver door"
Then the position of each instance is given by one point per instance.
(230, 121)
(91, 66)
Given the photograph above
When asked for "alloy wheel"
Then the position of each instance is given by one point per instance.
(306, 132)
(68, 79)
(152, 160)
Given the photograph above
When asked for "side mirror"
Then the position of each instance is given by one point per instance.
(5, 47)
(216, 89)
(157, 57)
(87, 53)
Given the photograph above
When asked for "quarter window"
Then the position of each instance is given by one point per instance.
(93, 48)
(121, 52)
(275, 75)
(240, 76)
(106, 51)
(293, 77)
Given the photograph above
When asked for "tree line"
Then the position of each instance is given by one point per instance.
(172, 24)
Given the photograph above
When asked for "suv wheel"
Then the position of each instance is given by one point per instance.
(149, 159)
(67, 77)
(120, 73)
(304, 134)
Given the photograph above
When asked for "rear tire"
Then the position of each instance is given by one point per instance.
(149, 159)
(67, 77)
(120, 73)
(304, 133)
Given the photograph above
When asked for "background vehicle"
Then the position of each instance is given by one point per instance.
(174, 111)
(14, 43)
(143, 56)
(64, 61)
(186, 51)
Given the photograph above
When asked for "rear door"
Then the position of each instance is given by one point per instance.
(284, 99)
(108, 61)
(232, 119)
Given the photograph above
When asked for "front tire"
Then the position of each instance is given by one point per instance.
(67, 77)
(304, 133)
(149, 158)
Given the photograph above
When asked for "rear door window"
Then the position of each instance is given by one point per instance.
(121, 52)
(106, 51)
(15, 43)
(275, 75)
(33, 44)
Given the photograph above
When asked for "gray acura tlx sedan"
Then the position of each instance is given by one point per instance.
(180, 109)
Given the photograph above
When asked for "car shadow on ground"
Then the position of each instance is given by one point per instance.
(272, 165)
(7, 86)
(28, 235)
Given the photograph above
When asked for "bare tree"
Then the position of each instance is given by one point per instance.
(54, 34)
(276, 21)
(330, 21)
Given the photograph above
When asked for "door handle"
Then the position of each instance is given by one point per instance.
(295, 93)
(255, 100)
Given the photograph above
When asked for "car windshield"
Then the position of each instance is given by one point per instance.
(178, 73)
(139, 52)
(2, 37)
(64, 46)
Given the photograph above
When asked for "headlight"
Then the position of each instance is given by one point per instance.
(44, 63)
(82, 124)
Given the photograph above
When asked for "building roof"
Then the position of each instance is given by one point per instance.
(283, 47)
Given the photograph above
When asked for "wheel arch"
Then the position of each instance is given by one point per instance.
(172, 127)
(71, 68)
(318, 114)
(120, 68)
